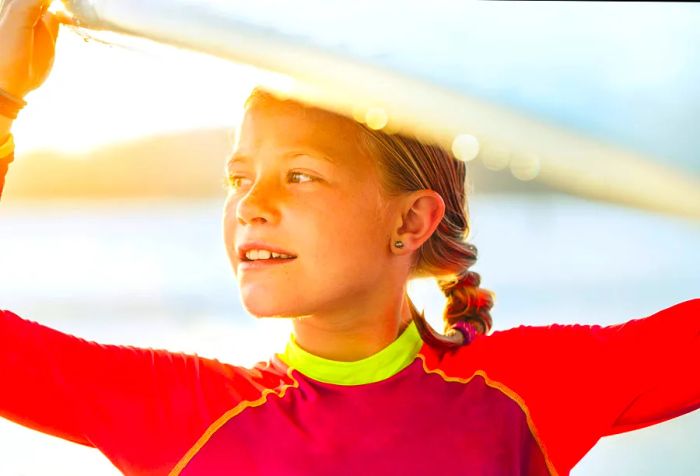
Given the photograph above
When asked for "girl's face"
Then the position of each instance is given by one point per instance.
(301, 184)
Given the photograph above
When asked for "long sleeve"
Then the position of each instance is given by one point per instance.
(659, 357)
(581, 382)
(142, 408)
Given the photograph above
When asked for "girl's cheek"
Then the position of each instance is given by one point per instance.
(229, 219)
(230, 205)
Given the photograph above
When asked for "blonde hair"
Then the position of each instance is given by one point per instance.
(406, 164)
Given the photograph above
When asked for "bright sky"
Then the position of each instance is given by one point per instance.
(99, 93)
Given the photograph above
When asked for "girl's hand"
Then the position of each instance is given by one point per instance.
(28, 35)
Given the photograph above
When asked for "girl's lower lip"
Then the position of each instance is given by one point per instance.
(263, 263)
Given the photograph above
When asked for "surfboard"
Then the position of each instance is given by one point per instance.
(599, 100)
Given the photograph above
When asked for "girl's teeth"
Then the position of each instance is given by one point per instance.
(264, 254)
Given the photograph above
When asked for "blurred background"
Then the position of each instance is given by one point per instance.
(110, 230)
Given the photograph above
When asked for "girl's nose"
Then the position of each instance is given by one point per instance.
(259, 204)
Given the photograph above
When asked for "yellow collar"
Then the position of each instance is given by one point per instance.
(382, 365)
(7, 146)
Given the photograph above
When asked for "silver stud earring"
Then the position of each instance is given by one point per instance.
(398, 244)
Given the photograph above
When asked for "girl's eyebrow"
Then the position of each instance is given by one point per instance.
(239, 157)
(235, 158)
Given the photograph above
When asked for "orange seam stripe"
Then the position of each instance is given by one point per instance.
(506, 391)
(214, 427)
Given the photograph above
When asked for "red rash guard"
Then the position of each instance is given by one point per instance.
(524, 401)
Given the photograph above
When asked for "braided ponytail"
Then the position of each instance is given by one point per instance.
(467, 312)
(466, 301)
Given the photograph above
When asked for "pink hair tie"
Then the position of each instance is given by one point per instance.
(467, 329)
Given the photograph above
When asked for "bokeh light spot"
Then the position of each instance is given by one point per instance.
(525, 167)
(376, 118)
(465, 147)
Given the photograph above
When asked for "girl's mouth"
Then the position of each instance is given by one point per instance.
(260, 255)
(263, 263)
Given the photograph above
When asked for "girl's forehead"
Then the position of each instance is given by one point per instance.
(294, 126)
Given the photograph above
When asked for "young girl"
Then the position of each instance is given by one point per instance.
(325, 222)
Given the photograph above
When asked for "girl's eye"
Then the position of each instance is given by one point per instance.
(302, 174)
(233, 182)
(237, 182)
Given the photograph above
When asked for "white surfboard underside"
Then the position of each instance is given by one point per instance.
(365, 75)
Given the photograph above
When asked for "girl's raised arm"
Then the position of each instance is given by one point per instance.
(28, 35)
(581, 382)
(142, 408)
(660, 358)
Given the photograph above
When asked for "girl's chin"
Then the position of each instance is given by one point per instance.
(265, 308)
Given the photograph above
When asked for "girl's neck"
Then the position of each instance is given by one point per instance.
(349, 338)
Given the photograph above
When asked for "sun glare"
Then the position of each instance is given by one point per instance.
(115, 88)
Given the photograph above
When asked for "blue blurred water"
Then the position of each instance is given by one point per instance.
(156, 274)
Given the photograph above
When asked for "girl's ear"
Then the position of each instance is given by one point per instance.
(420, 216)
